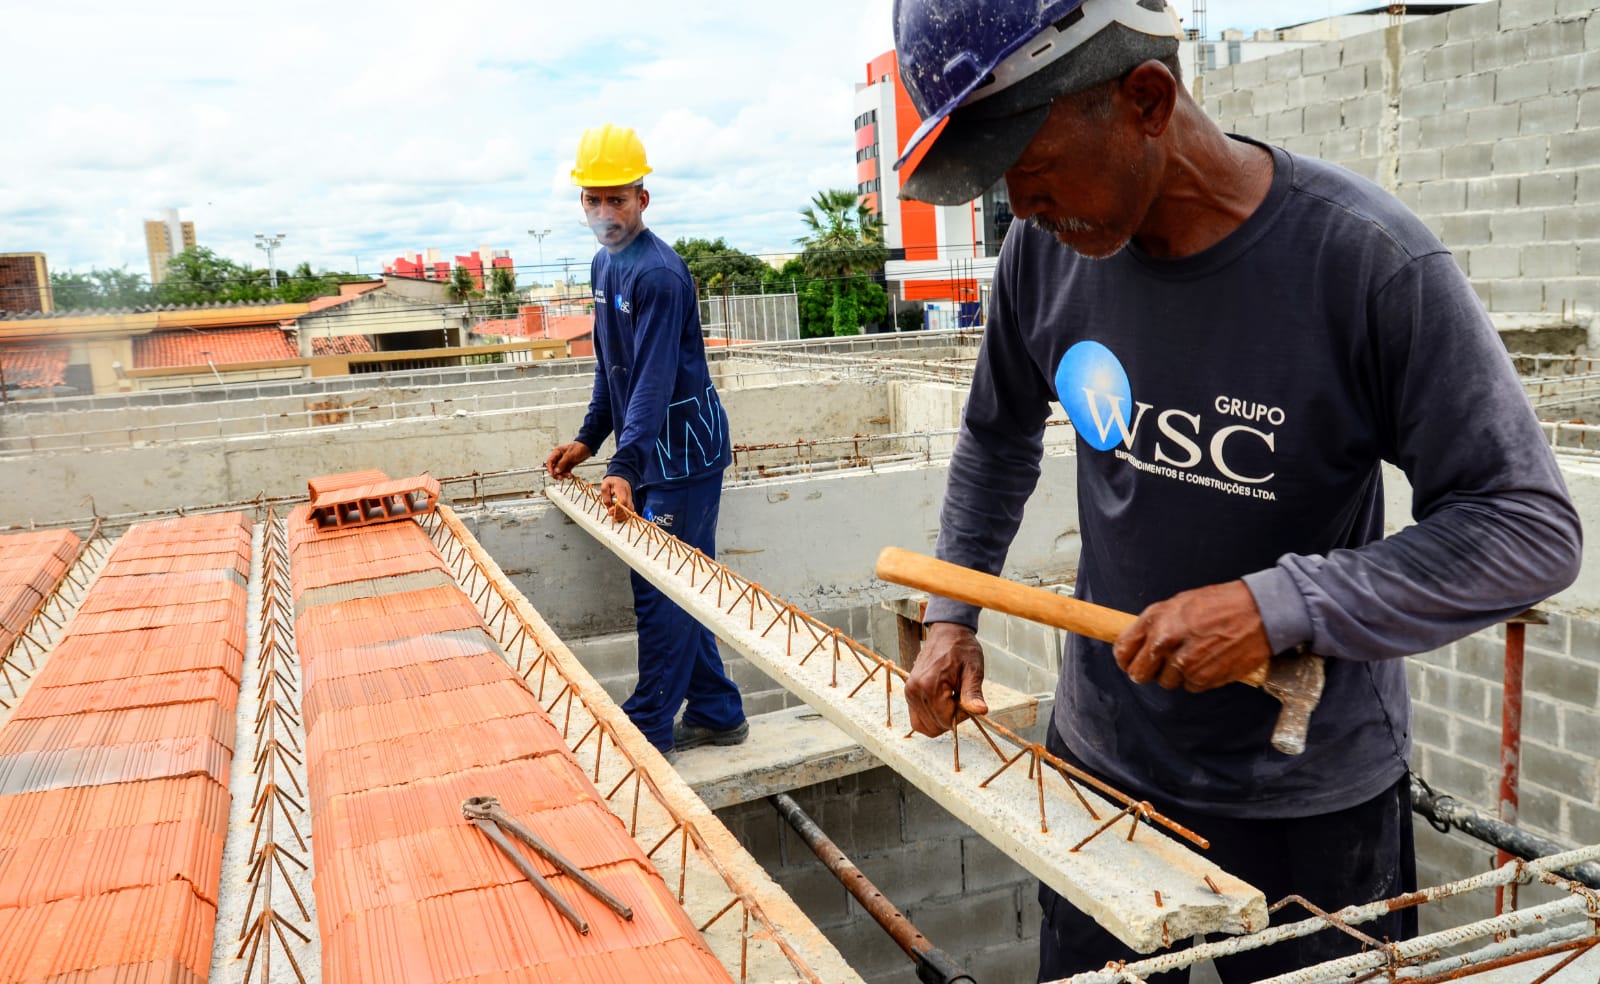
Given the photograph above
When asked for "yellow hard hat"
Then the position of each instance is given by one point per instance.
(609, 157)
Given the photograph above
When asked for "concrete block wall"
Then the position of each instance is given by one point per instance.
(1485, 121)
(1456, 696)
(964, 895)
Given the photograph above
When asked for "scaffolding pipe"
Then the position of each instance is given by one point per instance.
(1511, 738)
(1445, 811)
(934, 966)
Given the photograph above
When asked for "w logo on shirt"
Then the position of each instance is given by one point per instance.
(1093, 388)
(623, 305)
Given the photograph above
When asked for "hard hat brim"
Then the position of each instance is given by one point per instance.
(970, 154)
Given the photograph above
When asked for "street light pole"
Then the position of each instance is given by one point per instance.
(566, 266)
(538, 235)
(270, 243)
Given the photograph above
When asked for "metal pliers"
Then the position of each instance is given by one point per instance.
(491, 818)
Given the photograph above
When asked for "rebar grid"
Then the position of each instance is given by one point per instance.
(625, 769)
(267, 926)
(1421, 959)
(863, 693)
(42, 629)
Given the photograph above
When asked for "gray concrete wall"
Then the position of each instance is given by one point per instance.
(154, 472)
(1485, 121)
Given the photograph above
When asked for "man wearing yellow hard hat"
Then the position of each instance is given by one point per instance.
(652, 389)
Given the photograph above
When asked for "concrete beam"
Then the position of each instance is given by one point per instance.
(1149, 891)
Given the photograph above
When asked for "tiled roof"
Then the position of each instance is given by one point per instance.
(410, 709)
(342, 345)
(114, 765)
(139, 309)
(31, 565)
(572, 326)
(170, 349)
(347, 293)
(34, 366)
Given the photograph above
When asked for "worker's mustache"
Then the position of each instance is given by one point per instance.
(605, 227)
(1060, 227)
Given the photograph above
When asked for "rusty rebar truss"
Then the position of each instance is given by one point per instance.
(1568, 928)
(1147, 894)
(278, 797)
(41, 630)
(750, 924)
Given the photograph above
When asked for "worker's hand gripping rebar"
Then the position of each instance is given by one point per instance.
(487, 813)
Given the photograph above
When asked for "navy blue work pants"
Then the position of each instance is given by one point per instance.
(678, 656)
(1360, 854)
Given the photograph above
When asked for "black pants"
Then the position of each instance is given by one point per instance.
(1356, 855)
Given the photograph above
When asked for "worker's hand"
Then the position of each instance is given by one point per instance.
(567, 457)
(617, 496)
(946, 682)
(1197, 640)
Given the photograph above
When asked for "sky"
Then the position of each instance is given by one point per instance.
(363, 132)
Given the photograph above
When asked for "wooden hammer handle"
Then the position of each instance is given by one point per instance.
(958, 583)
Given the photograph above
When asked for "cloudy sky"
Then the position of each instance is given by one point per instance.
(362, 131)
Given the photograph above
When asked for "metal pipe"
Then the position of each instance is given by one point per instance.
(1445, 810)
(934, 966)
(1511, 737)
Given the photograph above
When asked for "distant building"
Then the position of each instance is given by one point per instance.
(428, 265)
(24, 283)
(165, 238)
(1233, 47)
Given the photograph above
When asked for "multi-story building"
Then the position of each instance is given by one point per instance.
(940, 255)
(428, 265)
(165, 238)
(24, 283)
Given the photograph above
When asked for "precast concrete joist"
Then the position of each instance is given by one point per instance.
(1084, 839)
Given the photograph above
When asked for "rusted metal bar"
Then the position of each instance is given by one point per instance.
(1511, 730)
(934, 966)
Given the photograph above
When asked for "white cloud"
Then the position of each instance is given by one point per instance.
(367, 131)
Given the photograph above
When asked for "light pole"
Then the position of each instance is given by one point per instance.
(539, 234)
(566, 266)
(270, 243)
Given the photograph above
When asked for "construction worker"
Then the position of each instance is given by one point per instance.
(1240, 337)
(652, 388)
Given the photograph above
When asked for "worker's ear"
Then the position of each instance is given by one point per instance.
(1153, 92)
(644, 198)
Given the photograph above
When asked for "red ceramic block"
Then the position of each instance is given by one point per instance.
(69, 811)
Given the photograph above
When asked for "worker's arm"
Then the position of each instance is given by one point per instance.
(663, 309)
(993, 471)
(1495, 529)
(597, 424)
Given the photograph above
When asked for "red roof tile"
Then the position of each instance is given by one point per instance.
(139, 926)
(347, 293)
(171, 349)
(342, 345)
(34, 366)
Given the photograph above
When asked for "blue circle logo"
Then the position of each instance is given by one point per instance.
(1093, 388)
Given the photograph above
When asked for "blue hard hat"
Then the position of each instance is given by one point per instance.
(991, 67)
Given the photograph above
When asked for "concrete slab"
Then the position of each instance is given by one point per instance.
(798, 747)
(1148, 891)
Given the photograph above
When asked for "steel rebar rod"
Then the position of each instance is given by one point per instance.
(934, 966)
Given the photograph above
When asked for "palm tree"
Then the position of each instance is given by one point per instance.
(846, 237)
(846, 241)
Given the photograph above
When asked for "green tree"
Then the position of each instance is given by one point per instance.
(199, 276)
(844, 245)
(845, 237)
(503, 289)
(303, 284)
(462, 288)
(713, 263)
(99, 289)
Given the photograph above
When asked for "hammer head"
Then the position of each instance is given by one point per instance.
(1296, 680)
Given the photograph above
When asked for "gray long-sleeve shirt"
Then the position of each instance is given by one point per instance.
(1232, 410)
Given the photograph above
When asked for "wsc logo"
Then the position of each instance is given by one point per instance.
(1093, 387)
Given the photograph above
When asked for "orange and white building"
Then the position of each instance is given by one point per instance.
(942, 256)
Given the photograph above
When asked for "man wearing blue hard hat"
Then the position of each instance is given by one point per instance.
(653, 390)
(1240, 337)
